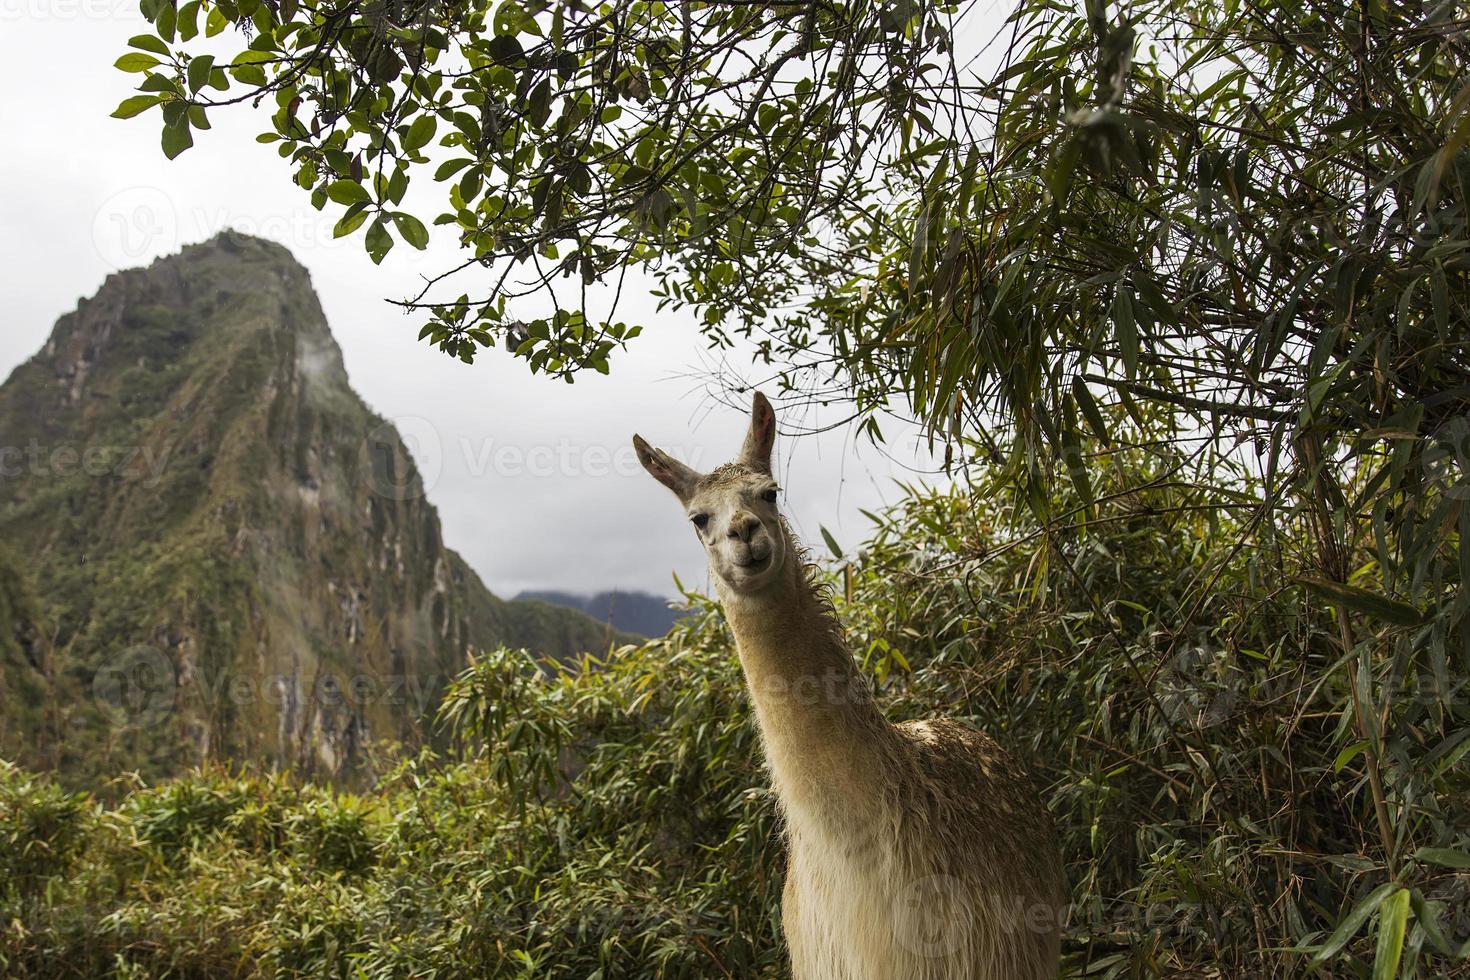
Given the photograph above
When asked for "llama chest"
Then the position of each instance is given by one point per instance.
(882, 913)
(836, 914)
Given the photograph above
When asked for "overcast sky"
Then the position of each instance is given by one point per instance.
(529, 474)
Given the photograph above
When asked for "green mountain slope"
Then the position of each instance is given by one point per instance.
(233, 552)
(23, 725)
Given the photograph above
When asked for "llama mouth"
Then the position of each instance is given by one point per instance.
(754, 564)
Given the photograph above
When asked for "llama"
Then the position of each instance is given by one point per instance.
(916, 851)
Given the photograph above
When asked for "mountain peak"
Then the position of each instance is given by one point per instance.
(232, 282)
(202, 489)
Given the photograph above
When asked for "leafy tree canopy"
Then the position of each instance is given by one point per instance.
(1244, 219)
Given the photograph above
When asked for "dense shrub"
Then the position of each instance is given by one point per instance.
(41, 830)
(1191, 707)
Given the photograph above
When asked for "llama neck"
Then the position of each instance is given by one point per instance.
(825, 740)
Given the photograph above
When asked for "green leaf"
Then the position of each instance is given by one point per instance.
(449, 168)
(247, 66)
(539, 106)
(1352, 922)
(199, 69)
(177, 139)
(158, 82)
(420, 132)
(398, 185)
(918, 245)
(1076, 465)
(149, 43)
(351, 220)
(188, 20)
(347, 192)
(1373, 604)
(1426, 915)
(1347, 755)
(1087, 405)
(136, 61)
(1126, 328)
(412, 229)
(1392, 919)
(1446, 856)
(378, 241)
(831, 542)
(166, 19)
(135, 105)
(1439, 294)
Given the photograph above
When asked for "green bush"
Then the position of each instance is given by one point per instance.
(175, 817)
(335, 833)
(42, 828)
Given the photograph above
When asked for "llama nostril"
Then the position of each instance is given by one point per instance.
(744, 528)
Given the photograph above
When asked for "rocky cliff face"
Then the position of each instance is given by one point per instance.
(233, 554)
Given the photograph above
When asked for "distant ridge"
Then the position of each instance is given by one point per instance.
(633, 612)
(219, 553)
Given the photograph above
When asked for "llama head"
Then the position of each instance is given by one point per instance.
(732, 509)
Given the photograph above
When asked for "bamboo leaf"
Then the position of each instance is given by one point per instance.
(1368, 603)
(1445, 856)
(1087, 405)
(1352, 922)
(1392, 919)
(1126, 330)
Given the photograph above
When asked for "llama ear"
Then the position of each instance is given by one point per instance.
(756, 453)
(666, 469)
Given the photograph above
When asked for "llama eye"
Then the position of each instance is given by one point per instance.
(769, 496)
(700, 520)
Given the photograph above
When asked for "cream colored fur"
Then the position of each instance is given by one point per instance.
(916, 851)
